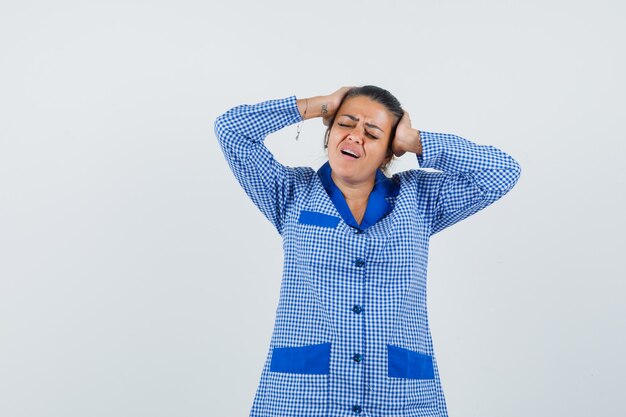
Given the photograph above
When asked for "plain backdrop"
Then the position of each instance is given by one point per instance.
(137, 278)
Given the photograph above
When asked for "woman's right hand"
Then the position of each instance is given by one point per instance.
(322, 106)
(333, 102)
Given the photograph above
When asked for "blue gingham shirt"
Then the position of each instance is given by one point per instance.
(351, 335)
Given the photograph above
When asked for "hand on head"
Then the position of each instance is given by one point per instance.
(333, 101)
(407, 138)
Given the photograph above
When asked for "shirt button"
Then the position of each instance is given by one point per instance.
(356, 408)
(359, 231)
(357, 357)
(357, 309)
(359, 262)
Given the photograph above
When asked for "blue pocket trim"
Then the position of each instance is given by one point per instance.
(405, 363)
(311, 359)
(318, 219)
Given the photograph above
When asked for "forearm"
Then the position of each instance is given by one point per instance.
(491, 167)
(313, 107)
(254, 122)
(413, 142)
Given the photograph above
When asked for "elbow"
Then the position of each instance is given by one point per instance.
(219, 126)
(224, 132)
(516, 172)
(509, 177)
(500, 181)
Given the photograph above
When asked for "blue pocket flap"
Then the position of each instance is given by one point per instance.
(311, 359)
(318, 219)
(405, 363)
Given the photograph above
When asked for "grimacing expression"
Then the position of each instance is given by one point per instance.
(359, 139)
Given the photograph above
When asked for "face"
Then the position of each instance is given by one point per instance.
(358, 140)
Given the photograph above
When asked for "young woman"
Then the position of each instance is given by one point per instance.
(351, 335)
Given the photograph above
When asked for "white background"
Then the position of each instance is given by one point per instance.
(136, 277)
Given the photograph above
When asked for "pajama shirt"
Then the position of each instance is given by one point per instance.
(351, 334)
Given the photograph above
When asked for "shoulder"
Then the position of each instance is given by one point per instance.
(420, 178)
(302, 174)
(420, 189)
(421, 186)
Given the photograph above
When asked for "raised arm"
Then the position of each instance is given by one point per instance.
(241, 132)
(473, 176)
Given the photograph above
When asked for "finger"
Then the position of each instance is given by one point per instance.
(342, 91)
(396, 149)
(406, 119)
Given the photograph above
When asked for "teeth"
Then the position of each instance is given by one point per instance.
(349, 152)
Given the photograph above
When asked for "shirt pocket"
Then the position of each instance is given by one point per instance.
(411, 378)
(298, 381)
(316, 218)
(318, 239)
(405, 363)
(309, 359)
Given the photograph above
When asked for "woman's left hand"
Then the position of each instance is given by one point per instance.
(406, 139)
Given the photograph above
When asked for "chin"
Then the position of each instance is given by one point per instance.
(349, 174)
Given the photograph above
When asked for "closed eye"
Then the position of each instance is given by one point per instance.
(368, 134)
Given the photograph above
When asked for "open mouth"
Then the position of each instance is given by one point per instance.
(350, 153)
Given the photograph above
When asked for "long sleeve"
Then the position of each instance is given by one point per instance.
(241, 132)
(473, 176)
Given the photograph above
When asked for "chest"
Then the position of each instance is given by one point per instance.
(316, 234)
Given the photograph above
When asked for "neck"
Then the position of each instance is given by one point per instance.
(354, 192)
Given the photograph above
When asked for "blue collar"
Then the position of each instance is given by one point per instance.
(377, 204)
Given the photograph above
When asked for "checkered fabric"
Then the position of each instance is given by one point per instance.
(351, 335)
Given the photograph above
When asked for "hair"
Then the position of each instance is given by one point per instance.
(379, 95)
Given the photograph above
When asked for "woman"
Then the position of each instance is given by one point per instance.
(351, 335)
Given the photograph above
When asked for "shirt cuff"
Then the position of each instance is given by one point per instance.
(431, 149)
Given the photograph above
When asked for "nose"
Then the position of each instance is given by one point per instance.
(356, 135)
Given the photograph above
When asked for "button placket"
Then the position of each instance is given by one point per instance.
(359, 262)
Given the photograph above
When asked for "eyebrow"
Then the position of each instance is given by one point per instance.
(356, 119)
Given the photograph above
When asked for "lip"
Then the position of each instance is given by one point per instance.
(352, 149)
